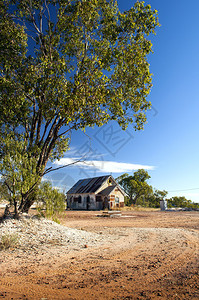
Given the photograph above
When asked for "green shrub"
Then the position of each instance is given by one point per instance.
(9, 240)
(55, 219)
(50, 199)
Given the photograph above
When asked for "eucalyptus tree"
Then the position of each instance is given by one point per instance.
(136, 186)
(66, 65)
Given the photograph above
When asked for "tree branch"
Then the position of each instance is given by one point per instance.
(55, 169)
(39, 126)
(53, 141)
(45, 130)
(33, 125)
(41, 161)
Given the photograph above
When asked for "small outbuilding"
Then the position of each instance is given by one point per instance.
(95, 194)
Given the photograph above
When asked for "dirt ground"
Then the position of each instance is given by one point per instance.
(155, 255)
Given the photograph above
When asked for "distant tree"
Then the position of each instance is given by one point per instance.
(155, 197)
(66, 65)
(136, 186)
(179, 201)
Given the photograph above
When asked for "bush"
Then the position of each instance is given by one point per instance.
(181, 201)
(9, 241)
(56, 220)
(50, 199)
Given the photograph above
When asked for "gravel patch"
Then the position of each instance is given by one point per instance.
(34, 233)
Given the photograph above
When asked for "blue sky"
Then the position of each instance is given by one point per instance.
(168, 148)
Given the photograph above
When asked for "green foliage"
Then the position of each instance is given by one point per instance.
(142, 194)
(136, 186)
(154, 199)
(50, 199)
(9, 241)
(17, 167)
(4, 192)
(127, 201)
(139, 191)
(82, 67)
(181, 201)
(56, 220)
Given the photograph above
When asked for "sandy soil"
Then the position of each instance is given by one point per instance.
(154, 255)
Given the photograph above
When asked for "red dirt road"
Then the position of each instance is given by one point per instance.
(155, 255)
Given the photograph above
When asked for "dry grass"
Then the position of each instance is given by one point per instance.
(9, 241)
(137, 208)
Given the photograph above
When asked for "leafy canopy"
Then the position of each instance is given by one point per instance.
(136, 186)
(66, 65)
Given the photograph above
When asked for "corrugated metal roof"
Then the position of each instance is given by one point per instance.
(88, 185)
(107, 190)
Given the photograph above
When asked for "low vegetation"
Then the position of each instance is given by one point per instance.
(49, 201)
(182, 202)
(9, 240)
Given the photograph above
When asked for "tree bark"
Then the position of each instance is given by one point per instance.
(24, 208)
(16, 213)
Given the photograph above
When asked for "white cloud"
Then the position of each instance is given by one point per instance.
(104, 166)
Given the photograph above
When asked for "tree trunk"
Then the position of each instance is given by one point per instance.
(29, 198)
(135, 199)
(24, 208)
(16, 213)
(21, 204)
